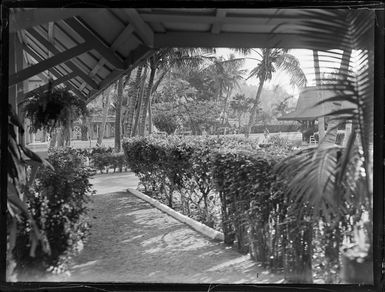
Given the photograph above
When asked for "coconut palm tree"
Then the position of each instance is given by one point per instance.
(271, 61)
(165, 59)
(132, 100)
(118, 110)
(106, 105)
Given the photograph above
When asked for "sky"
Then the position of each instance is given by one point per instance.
(305, 58)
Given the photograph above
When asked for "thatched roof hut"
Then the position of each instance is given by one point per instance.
(308, 107)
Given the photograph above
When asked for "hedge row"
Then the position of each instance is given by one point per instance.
(58, 204)
(103, 159)
(231, 182)
(275, 128)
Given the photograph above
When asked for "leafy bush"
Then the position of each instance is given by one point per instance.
(58, 204)
(166, 122)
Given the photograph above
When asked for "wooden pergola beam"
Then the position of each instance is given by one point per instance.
(135, 57)
(122, 37)
(98, 45)
(30, 18)
(53, 71)
(69, 64)
(220, 17)
(244, 40)
(207, 19)
(143, 29)
(48, 63)
(54, 83)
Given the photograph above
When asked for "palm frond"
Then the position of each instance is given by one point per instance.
(328, 176)
(290, 64)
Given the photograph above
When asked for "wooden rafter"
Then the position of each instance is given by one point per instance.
(245, 40)
(98, 45)
(141, 28)
(207, 19)
(69, 64)
(54, 83)
(122, 37)
(48, 63)
(30, 18)
(220, 16)
(158, 27)
(135, 57)
(53, 71)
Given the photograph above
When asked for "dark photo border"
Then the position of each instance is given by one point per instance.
(379, 123)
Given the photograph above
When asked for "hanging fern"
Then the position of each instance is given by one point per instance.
(51, 108)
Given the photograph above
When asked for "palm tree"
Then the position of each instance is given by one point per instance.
(225, 74)
(106, 105)
(132, 100)
(240, 105)
(271, 60)
(118, 110)
(336, 182)
(165, 59)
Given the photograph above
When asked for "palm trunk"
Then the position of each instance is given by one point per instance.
(60, 136)
(149, 118)
(67, 135)
(146, 100)
(119, 98)
(140, 101)
(53, 134)
(106, 96)
(132, 102)
(255, 106)
(156, 84)
(321, 120)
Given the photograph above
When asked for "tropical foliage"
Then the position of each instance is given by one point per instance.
(18, 193)
(271, 61)
(57, 203)
(334, 180)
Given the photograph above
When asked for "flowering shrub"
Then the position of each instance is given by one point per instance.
(59, 206)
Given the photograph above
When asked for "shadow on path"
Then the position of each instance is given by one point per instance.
(131, 241)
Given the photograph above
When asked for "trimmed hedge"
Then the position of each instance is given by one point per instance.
(106, 161)
(104, 158)
(276, 128)
(58, 204)
(229, 180)
(229, 183)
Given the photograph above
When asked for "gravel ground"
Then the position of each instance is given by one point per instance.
(131, 241)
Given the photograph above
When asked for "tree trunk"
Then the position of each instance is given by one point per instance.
(156, 84)
(53, 135)
(106, 97)
(149, 118)
(253, 111)
(60, 137)
(140, 101)
(132, 102)
(321, 119)
(146, 99)
(119, 98)
(67, 135)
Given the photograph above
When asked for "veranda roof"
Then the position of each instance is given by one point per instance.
(87, 49)
(308, 107)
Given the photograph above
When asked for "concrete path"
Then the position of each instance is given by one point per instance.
(131, 241)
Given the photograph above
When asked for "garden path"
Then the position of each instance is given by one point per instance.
(131, 241)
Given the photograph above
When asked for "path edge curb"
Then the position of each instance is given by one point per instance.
(197, 226)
